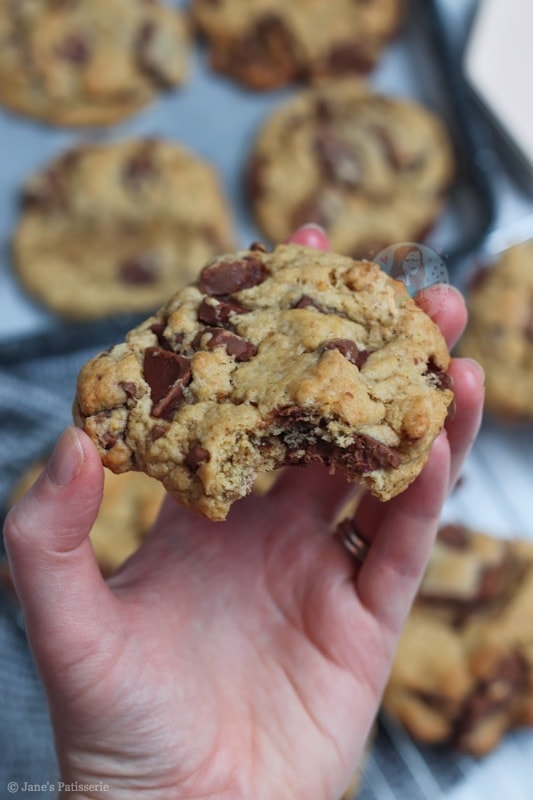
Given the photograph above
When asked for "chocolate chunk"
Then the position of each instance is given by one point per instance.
(266, 53)
(349, 350)
(398, 159)
(503, 686)
(129, 388)
(141, 167)
(139, 271)
(234, 345)
(258, 247)
(74, 48)
(108, 440)
(455, 536)
(364, 454)
(338, 161)
(157, 432)
(48, 193)
(438, 376)
(307, 302)
(324, 110)
(349, 57)
(493, 582)
(218, 311)
(166, 373)
(197, 455)
(226, 277)
(367, 454)
(159, 328)
(528, 327)
(148, 55)
(444, 706)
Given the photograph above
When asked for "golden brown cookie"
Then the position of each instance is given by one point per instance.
(89, 62)
(265, 44)
(111, 228)
(271, 359)
(463, 673)
(371, 170)
(499, 334)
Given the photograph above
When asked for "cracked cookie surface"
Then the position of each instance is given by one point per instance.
(271, 359)
(463, 672)
(371, 170)
(265, 44)
(89, 62)
(108, 229)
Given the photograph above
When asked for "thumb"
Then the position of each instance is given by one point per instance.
(46, 535)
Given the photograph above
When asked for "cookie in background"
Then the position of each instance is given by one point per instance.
(372, 170)
(91, 62)
(116, 228)
(266, 44)
(463, 672)
(499, 334)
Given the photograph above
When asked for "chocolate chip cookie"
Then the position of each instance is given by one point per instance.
(371, 170)
(89, 62)
(111, 228)
(463, 673)
(271, 359)
(266, 44)
(500, 331)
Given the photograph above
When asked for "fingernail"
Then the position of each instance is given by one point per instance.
(66, 460)
(477, 366)
(311, 235)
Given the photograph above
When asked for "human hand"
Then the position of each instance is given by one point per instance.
(243, 659)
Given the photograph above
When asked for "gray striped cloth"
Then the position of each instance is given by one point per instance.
(36, 392)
